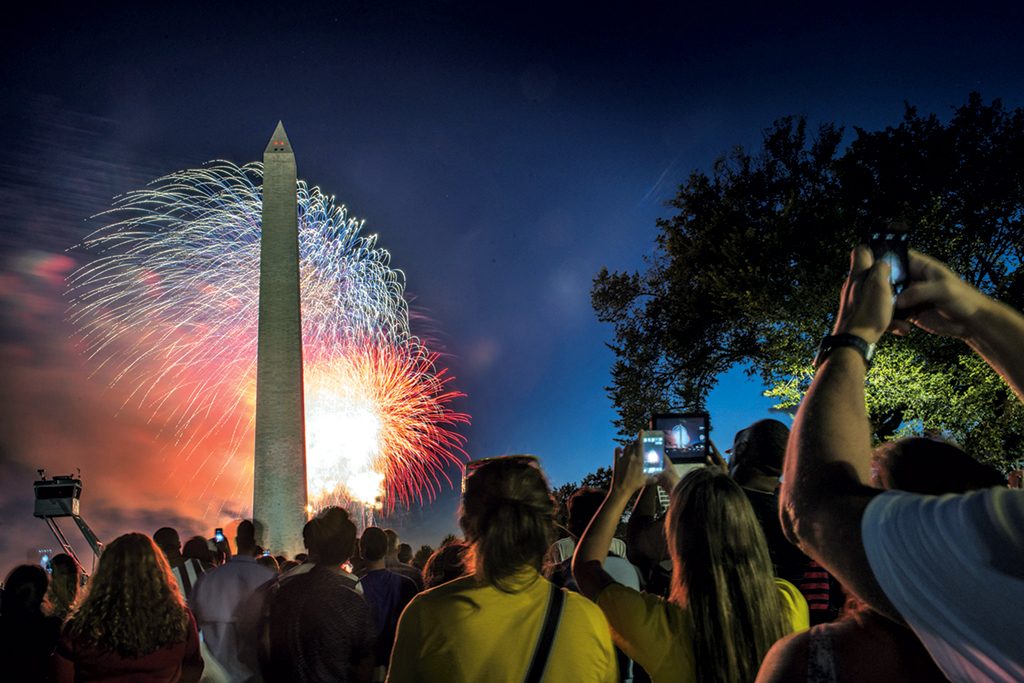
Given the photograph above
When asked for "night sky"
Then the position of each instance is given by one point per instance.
(503, 152)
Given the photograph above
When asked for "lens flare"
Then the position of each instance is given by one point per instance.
(169, 307)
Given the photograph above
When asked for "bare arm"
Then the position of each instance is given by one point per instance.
(827, 465)
(786, 660)
(824, 494)
(592, 549)
(944, 304)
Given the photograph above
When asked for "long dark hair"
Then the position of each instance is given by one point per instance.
(722, 574)
(508, 517)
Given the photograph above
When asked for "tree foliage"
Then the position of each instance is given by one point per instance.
(599, 479)
(748, 270)
(419, 560)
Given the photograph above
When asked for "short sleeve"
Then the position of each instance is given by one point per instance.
(942, 562)
(795, 605)
(639, 623)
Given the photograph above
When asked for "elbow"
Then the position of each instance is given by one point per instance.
(586, 574)
(798, 513)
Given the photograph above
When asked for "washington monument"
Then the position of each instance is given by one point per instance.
(279, 476)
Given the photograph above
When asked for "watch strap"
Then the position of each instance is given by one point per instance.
(836, 341)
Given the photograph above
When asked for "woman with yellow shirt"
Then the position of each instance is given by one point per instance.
(489, 625)
(725, 609)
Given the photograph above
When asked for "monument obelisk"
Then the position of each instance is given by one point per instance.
(279, 475)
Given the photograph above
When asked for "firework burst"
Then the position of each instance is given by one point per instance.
(169, 306)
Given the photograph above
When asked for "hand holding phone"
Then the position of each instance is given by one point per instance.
(629, 474)
(890, 245)
(652, 444)
(218, 535)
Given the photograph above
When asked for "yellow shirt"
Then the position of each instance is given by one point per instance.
(658, 635)
(466, 630)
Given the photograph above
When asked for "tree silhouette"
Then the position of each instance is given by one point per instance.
(748, 270)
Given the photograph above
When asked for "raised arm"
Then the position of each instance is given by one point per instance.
(588, 561)
(943, 304)
(828, 460)
(824, 491)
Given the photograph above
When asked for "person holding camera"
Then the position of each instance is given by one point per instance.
(950, 567)
(725, 609)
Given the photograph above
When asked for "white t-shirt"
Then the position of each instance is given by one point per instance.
(954, 568)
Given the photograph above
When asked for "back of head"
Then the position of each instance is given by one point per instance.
(507, 515)
(373, 544)
(245, 538)
(24, 591)
(392, 542)
(168, 541)
(270, 562)
(723, 573)
(759, 450)
(335, 537)
(198, 548)
(404, 553)
(64, 582)
(310, 538)
(133, 606)
(931, 467)
(445, 564)
(583, 505)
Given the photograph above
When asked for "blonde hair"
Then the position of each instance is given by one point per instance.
(132, 606)
(507, 515)
(722, 573)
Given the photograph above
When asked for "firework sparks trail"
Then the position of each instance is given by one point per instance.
(169, 306)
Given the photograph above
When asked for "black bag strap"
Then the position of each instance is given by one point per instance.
(547, 635)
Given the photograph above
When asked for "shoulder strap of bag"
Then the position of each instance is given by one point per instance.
(547, 636)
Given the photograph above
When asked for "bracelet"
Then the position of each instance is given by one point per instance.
(835, 341)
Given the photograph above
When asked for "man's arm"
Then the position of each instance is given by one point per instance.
(824, 493)
(941, 303)
(827, 467)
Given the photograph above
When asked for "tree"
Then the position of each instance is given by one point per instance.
(600, 479)
(419, 560)
(748, 271)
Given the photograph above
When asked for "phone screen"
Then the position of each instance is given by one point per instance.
(686, 436)
(218, 535)
(890, 245)
(653, 445)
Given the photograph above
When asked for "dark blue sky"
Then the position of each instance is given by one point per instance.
(504, 153)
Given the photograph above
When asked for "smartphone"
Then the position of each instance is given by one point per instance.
(890, 245)
(266, 553)
(686, 436)
(218, 535)
(652, 444)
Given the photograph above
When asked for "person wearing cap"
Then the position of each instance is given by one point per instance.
(756, 460)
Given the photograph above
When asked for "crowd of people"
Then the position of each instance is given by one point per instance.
(810, 557)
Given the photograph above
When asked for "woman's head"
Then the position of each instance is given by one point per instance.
(929, 466)
(507, 516)
(24, 591)
(445, 564)
(133, 606)
(723, 573)
(64, 583)
(198, 548)
(709, 520)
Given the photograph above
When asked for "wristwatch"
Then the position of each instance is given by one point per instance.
(835, 341)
